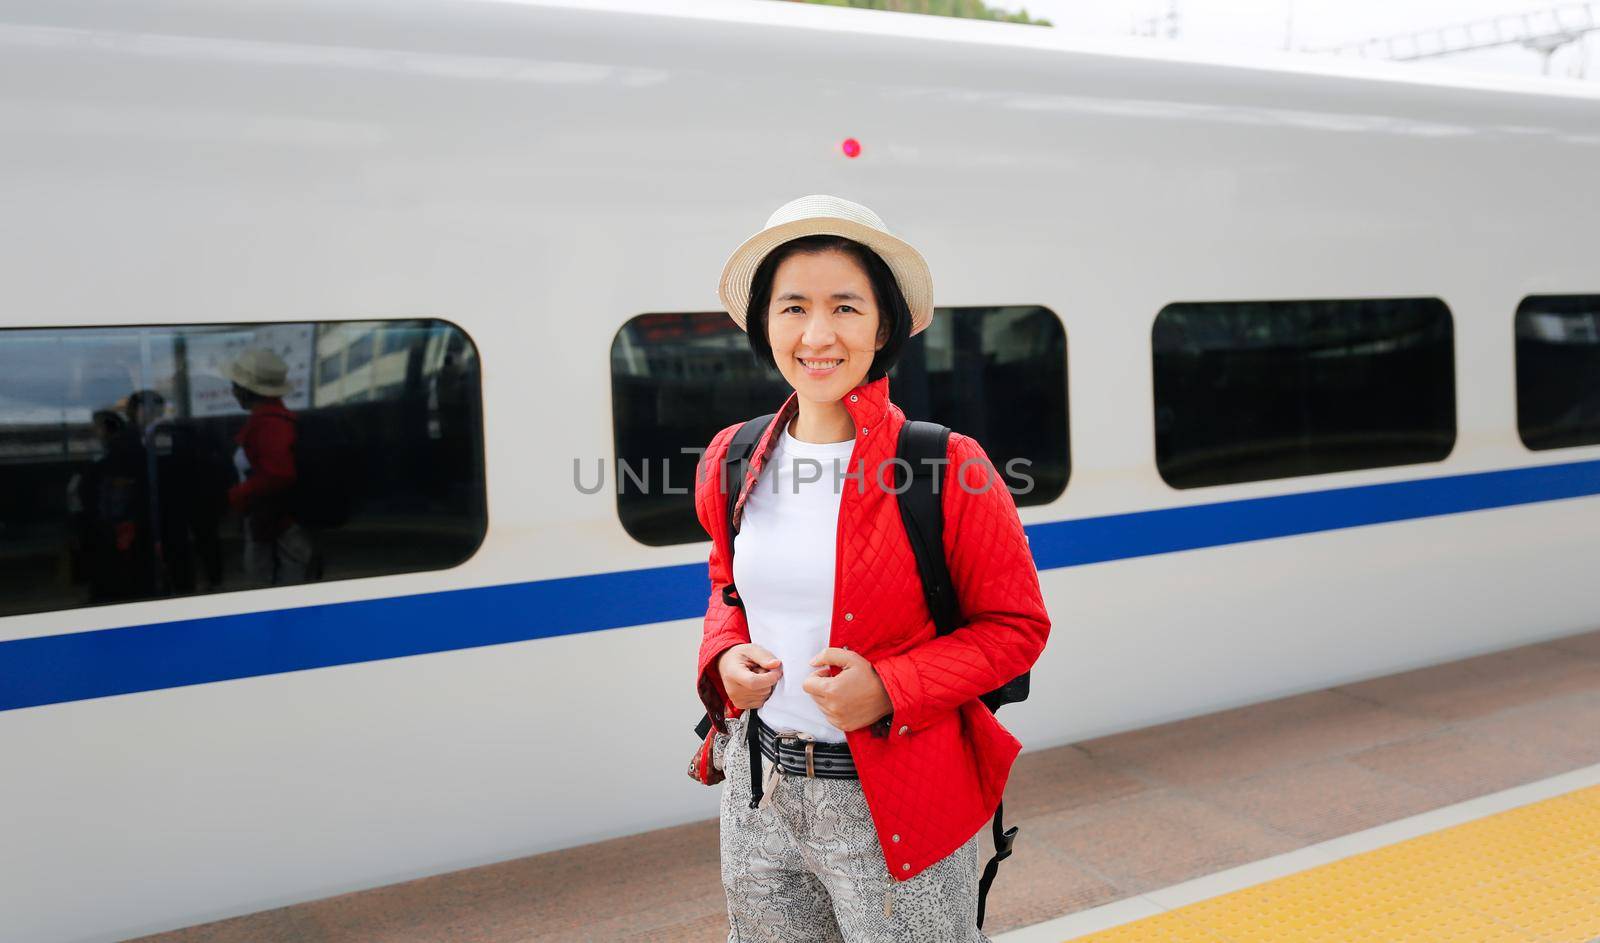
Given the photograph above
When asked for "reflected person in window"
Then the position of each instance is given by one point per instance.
(277, 549)
(112, 523)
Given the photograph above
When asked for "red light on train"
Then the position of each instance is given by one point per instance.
(851, 147)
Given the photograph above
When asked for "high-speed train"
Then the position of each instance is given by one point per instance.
(1302, 355)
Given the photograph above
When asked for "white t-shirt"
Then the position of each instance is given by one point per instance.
(783, 563)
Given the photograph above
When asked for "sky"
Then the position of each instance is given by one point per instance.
(1264, 23)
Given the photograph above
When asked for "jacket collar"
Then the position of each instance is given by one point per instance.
(272, 406)
(867, 404)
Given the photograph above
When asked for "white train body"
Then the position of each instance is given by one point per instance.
(539, 174)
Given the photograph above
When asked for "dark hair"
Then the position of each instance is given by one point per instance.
(893, 314)
(142, 399)
(240, 390)
(108, 421)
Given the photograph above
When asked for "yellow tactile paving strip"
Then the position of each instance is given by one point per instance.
(1526, 874)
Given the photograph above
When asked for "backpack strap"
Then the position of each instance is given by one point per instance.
(735, 461)
(925, 446)
(1004, 838)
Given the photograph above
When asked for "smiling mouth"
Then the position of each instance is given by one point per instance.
(819, 364)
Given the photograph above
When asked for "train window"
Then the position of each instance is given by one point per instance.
(157, 461)
(677, 379)
(1249, 391)
(1558, 363)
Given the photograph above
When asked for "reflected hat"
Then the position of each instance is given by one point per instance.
(260, 371)
(819, 214)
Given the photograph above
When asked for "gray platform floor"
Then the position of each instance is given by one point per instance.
(1100, 820)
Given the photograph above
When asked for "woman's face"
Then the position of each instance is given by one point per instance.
(822, 323)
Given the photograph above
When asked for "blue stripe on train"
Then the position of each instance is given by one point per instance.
(77, 666)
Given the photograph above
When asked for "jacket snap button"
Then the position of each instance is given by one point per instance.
(849, 617)
(863, 430)
(906, 866)
(904, 731)
(854, 397)
(894, 838)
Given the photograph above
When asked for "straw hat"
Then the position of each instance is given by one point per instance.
(260, 371)
(817, 215)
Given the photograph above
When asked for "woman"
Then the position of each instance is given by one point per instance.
(882, 765)
(277, 549)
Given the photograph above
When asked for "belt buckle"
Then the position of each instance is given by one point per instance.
(810, 742)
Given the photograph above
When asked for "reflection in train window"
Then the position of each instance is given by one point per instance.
(997, 374)
(150, 462)
(1248, 391)
(331, 367)
(1558, 371)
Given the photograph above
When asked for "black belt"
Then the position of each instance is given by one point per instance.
(800, 756)
(794, 756)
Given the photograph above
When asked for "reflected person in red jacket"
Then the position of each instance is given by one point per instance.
(819, 660)
(277, 550)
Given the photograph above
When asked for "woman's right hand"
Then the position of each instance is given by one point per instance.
(749, 673)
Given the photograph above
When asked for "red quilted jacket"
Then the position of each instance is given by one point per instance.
(936, 778)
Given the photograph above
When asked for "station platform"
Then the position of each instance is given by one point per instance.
(1456, 803)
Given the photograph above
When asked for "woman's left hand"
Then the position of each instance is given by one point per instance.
(853, 698)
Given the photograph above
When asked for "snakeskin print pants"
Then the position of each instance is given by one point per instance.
(808, 867)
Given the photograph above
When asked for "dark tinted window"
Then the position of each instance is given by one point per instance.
(1246, 391)
(996, 374)
(1558, 370)
(121, 477)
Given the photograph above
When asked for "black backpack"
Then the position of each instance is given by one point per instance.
(328, 468)
(923, 445)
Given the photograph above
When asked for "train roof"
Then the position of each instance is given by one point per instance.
(810, 16)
